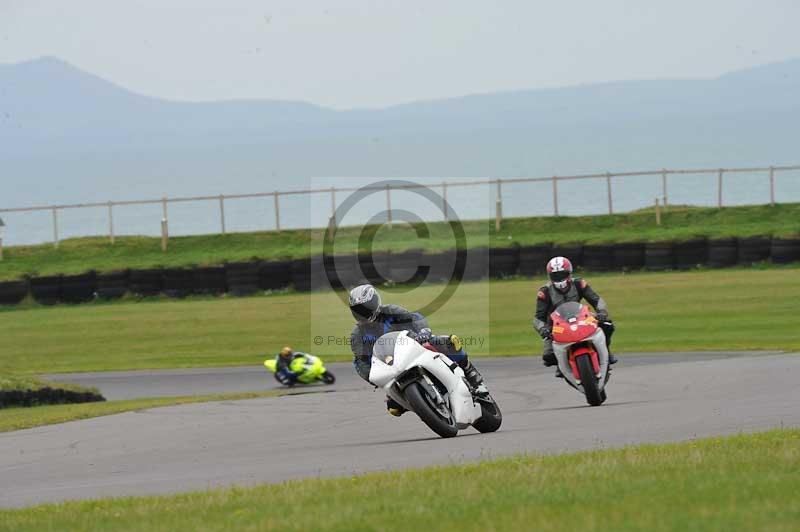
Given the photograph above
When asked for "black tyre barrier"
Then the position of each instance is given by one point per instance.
(242, 278)
(275, 274)
(46, 396)
(690, 254)
(628, 256)
(78, 288)
(112, 285)
(348, 270)
(375, 267)
(723, 252)
(503, 262)
(404, 266)
(13, 292)
(598, 257)
(309, 274)
(477, 266)
(177, 282)
(145, 283)
(441, 266)
(658, 256)
(785, 250)
(300, 272)
(46, 290)
(210, 280)
(533, 259)
(318, 274)
(574, 252)
(753, 249)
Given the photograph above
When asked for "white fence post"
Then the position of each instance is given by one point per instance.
(608, 189)
(164, 234)
(719, 188)
(389, 204)
(164, 209)
(444, 201)
(222, 212)
(111, 221)
(555, 196)
(772, 186)
(664, 186)
(55, 227)
(658, 213)
(333, 206)
(498, 207)
(277, 212)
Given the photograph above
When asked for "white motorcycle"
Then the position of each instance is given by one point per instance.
(431, 385)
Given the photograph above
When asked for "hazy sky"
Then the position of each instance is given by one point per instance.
(358, 53)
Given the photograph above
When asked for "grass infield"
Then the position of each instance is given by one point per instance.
(698, 310)
(744, 482)
(96, 253)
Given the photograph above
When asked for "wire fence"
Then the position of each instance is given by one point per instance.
(765, 179)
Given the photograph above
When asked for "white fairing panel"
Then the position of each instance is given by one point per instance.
(598, 339)
(409, 354)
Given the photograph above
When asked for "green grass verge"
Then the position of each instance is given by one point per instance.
(82, 254)
(698, 310)
(10, 383)
(745, 482)
(25, 418)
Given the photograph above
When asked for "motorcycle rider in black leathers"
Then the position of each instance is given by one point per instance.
(373, 320)
(563, 288)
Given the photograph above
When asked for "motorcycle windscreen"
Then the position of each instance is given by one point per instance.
(571, 309)
(385, 346)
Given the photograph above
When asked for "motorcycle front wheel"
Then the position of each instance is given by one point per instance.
(491, 417)
(429, 413)
(328, 378)
(589, 381)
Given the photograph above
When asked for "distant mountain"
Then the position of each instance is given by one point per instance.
(67, 135)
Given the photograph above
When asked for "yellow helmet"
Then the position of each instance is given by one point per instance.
(286, 351)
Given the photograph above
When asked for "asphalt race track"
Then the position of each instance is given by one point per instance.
(344, 429)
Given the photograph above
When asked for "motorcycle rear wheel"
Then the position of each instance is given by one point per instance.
(422, 406)
(589, 381)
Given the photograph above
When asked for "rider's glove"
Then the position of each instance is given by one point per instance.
(424, 335)
(546, 333)
(602, 315)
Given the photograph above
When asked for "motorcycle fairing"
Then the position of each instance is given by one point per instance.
(408, 355)
(598, 343)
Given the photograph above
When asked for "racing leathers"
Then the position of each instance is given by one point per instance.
(549, 298)
(287, 372)
(396, 318)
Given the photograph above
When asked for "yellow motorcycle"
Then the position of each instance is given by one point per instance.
(306, 369)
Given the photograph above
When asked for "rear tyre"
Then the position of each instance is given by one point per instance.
(423, 406)
(491, 417)
(589, 381)
(328, 378)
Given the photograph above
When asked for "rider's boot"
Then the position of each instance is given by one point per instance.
(611, 358)
(394, 408)
(475, 379)
(549, 359)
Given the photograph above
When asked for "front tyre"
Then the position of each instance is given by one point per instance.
(423, 406)
(328, 378)
(491, 417)
(589, 381)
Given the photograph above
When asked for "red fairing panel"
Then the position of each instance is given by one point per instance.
(567, 333)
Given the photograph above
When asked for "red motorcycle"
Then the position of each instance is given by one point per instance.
(579, 344)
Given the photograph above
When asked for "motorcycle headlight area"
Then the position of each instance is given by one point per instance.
(386, 358)
(386, 345)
